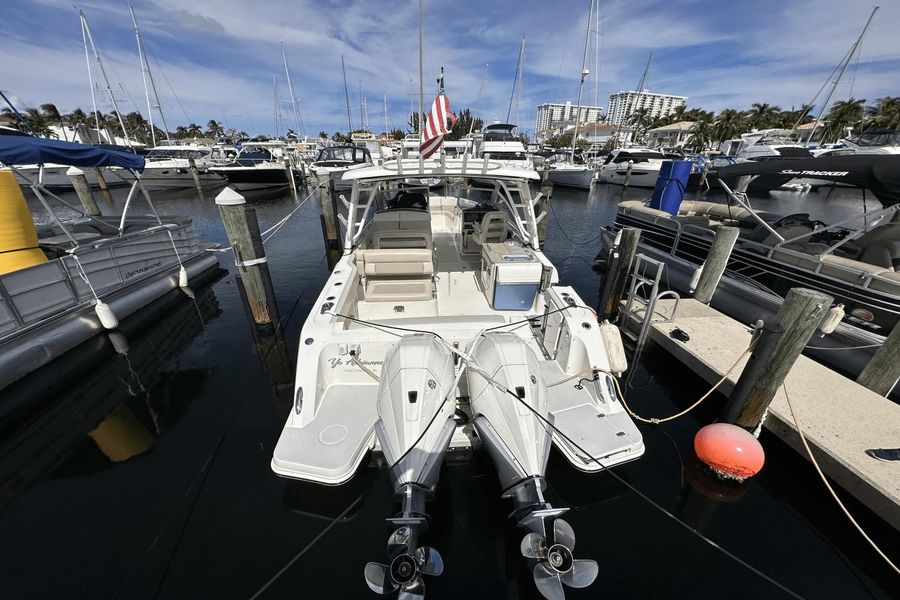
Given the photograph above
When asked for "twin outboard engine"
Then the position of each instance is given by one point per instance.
(416, 403)
(511, 413)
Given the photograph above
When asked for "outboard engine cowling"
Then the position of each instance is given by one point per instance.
(416, 403)
(508, 397)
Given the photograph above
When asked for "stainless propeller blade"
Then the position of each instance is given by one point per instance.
(583, 574)
(378, 578)
(563, 534)
(429, 561)
(548, 582)
(534, 545)
(413, 591)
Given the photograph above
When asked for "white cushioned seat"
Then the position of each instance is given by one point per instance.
(396, 275)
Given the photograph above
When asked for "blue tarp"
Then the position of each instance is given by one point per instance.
(18, 150)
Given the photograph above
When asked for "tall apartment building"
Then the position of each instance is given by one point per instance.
(551, 113)
(623, 104)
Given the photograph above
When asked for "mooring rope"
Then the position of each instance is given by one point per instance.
(824, 479)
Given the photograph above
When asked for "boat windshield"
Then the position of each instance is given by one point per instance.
(251, 156)
(506, 155)
(500, 135)
(344, 154)
(170, 153)
(878, 138)
(638, 156)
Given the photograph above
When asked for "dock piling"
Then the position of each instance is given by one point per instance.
(196, 175)
(715, 263)
(775, 353)
(83, 189)
(290, 173)
(330, 229)
(104, 187)
(254, 278)
(619, 266)
(881, 373)
(543, 206)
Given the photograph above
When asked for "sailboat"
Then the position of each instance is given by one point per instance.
(570, 173)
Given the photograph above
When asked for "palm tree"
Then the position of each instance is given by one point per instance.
(641, 120)
(762, 115)
(51, 116)
(194, 130)
(842, 115)
(886, 113)
(701, 135)
(214, 129)
(181, 131)
(729, 124)
(37, 121)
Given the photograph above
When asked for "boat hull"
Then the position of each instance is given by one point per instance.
(753, 288)
(254, 178)
(47, 309)
(574, 178)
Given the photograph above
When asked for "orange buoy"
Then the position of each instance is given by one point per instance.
(729, 450)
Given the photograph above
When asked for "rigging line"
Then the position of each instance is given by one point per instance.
(168, 83)
(306, 548)
(834, 495)
(565, 235)
(638, 492)
(204, 469)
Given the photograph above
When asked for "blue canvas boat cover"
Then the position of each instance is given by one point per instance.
(16, 150)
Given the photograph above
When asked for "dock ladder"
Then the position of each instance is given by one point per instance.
(643, 293)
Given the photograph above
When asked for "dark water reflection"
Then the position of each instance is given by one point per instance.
(145, 474)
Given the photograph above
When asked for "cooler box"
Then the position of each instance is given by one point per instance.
(511, 275)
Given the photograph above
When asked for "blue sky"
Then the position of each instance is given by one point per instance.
(219, 55)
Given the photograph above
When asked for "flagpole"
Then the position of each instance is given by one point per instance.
(421, 72)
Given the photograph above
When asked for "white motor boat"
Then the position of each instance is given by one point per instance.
(446, 327)
(256, 167)
(334, 161)
(638, 166)
(569, 174)
(169, 167)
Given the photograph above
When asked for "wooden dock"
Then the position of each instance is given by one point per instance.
(840, 418)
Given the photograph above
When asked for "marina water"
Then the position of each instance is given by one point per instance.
(137, 466)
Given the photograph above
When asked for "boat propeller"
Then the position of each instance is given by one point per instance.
(556, 565)
(407, 564)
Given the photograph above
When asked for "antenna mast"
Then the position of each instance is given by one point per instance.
(512, 94)
(421, 70)
(86, 31)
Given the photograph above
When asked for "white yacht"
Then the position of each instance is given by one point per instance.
(568, 173)
(500, 142)
(639, 166)
(446, 327)
(334, 161)
(169, 167)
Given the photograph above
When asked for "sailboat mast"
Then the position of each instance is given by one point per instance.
(144, 69)
(346, 97)
(87, 60)
(362, 121)
(512, 94)
(840, 74)
(385, 115)
(287, 74)
(143, 50)
(112, 96)
(587, 38)
(421, 71)
(640, 89)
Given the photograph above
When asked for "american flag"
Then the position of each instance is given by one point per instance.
(436, 126)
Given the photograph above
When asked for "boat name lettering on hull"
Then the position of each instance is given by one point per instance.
(337, 361)
(144, 269)
(815, 173)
